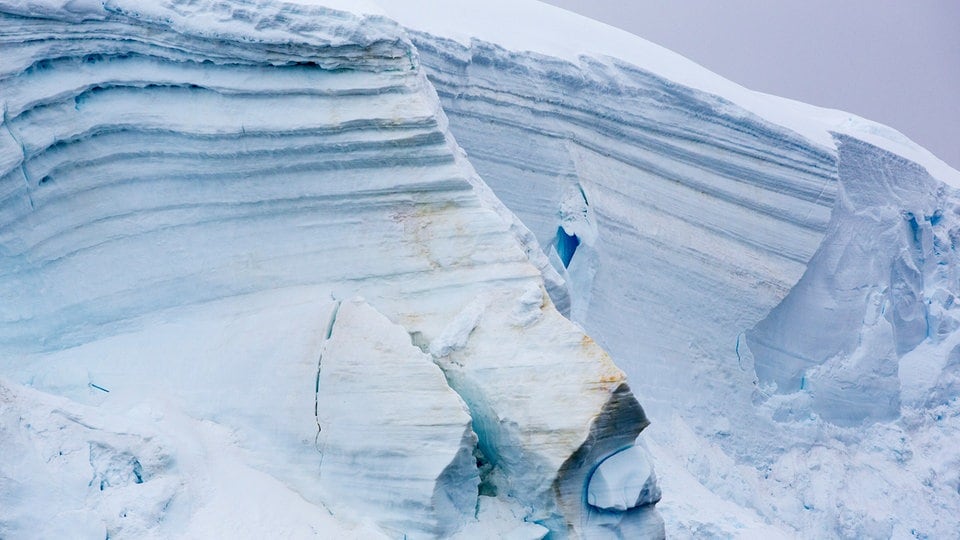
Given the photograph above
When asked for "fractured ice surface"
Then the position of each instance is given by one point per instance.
(526, 419)
(192, 192)
(885, 279)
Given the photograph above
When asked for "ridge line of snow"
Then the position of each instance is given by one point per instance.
(485, 21)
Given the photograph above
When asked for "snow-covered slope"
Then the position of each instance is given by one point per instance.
(251, 288)
(778, 280)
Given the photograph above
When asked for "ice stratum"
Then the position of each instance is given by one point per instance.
(345, 269)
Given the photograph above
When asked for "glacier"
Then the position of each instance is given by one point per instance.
(336, 269)
(772, 276)
(246, 226)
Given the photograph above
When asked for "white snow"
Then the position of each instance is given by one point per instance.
(454, 337)
(177, 445)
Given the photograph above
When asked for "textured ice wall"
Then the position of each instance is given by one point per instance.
(883, 282)
(650, 177)
(188, 191)
(785, 308)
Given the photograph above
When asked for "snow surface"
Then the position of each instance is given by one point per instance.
(530, 25)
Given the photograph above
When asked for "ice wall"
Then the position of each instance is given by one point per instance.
(784, 303)
(190, 193)
(692, 217)
(883, 282)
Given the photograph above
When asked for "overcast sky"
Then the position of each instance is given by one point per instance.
(893, 61)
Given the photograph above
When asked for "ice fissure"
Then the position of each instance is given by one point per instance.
(328, 336)
(566, 245)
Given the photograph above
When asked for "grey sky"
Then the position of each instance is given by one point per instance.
(893, 61)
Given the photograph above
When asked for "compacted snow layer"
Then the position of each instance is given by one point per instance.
(672, 177)
(191, 196)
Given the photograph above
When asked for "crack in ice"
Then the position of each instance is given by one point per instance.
(316, 393)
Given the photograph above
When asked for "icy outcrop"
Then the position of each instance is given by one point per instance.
(885, 278)
(534, 451)
(395, 441)
(188, 190)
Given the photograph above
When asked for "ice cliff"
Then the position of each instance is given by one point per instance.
(778, 281)
(309, 269)
(252, 288)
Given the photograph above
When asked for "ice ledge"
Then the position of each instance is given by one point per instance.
(536, 28)
(545, 416)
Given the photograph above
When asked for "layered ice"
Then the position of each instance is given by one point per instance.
(395, 440)
(194, 194)
(191, 196)
(626, 177)
(777, 280)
